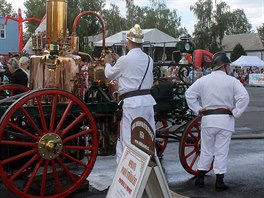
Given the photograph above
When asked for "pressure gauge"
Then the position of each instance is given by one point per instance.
(187, 47)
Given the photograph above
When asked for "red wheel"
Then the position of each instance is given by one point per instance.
(10, 89)
(162, 133)
(190, 146)
(51, 135)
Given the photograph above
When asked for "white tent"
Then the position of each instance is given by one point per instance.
(248, 61)
(152, 36)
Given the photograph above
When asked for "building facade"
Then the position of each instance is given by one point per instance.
(252, 43)
(8, 36)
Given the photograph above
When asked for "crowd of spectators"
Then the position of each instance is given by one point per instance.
(14, 69)
(242, 74)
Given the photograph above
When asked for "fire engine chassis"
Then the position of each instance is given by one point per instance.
(51, 134)
(49, 138)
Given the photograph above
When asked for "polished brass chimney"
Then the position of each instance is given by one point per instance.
(56, 27)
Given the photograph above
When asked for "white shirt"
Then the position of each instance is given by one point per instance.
(129, 71)
(218, 90)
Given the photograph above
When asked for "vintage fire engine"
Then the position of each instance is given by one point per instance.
(51, 134)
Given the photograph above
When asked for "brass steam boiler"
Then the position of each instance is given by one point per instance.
(56, 66)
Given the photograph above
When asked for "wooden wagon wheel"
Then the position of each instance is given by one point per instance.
(162, 133)
(190, 146)
(11, 88)
(55, 139)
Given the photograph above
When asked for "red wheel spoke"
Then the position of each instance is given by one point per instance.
(74, 159)
(76, 121)
(14, 176)
(66, 170)
(50, 120)
(77, 135)
(53, 113)
(32, 176)
(56, 176)
(64, 116)
(42, 116)
(44, 178)
(11, 92)
(189, 154)
(90, 148)
(197, 128)
(33, 124)
(16, 127)
(194, 137)
(17, 157)
(189, 145)
(29, 144)
(194, 160)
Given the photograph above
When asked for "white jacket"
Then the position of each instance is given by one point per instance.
(129, 71)
(218, 90)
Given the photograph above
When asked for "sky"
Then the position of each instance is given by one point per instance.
(254, 9)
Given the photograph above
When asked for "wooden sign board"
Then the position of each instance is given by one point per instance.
(142, 135)
(136, 172)
(129, 174)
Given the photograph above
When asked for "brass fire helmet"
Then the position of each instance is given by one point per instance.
(135, 34)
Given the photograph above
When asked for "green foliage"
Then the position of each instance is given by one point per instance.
(157, 15)
(113, 21)
(213, 22)
(261, 30)
(87, 49)
(237, 52)
(37, 9)
(237, 23)
(6, 9)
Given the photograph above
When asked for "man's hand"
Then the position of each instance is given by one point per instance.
(107, 59)
(110, 58)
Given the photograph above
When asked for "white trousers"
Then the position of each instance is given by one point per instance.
(129, 114)
(214, 145)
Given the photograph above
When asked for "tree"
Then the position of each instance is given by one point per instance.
(237, 23)
(261, 30)
(237, 52)
(113, 20)
(6, 9)
(157, 15)
(35, 8)
(215, 22)
(203, 10)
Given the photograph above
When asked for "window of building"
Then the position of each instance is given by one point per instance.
(2, 31)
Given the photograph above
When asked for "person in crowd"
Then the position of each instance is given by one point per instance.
(2, 67)
(135, 78)
(2, 62)
(18, 76)
(219, 98)
(24, 62)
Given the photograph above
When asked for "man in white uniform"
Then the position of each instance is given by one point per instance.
(219, 98)
(135, 78)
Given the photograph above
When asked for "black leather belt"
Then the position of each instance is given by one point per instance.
(134, 93)
(216, 111)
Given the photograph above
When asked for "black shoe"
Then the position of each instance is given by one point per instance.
(200, 178)
(219, 184)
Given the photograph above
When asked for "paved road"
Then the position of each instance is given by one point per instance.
(245, 165)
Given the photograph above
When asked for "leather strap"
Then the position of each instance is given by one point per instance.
(134, 93)
(216, 111)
